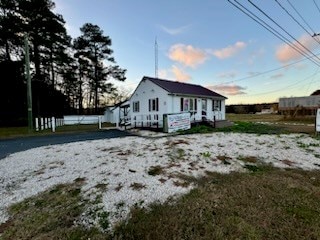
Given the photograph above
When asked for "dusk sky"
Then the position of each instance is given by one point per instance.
(210, 43)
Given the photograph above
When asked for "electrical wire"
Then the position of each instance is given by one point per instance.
(261, 22)
(300, 16)
(297, 21)
(260, 10)
(316, 5)
(287, 87)
(265, 72)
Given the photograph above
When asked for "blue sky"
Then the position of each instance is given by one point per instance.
(210, 43)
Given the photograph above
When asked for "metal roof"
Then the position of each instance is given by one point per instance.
(175, 87)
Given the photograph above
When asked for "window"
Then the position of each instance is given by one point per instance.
(188, 104)
(136, 106)
(216, 105)
(154, 105)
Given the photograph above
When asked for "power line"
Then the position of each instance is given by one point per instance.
(300, 16)
(296, 21)
(289, 86)
(265, 25)
(265, 72)
(260, 10)
(316, 5)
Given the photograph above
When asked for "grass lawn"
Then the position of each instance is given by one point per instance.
(11, 132)
(266, 203)
(272, 118)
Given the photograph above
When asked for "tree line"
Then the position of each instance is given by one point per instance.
(79, 69)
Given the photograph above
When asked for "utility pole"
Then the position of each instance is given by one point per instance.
(28, 78)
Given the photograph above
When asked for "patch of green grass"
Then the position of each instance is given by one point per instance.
(239, 127)
(180, 153)
(11, 132)
(206, 154)
(6, 132)
(49, 215)
(274, 204)
(252, 168)
(251, 127)
(199, 129)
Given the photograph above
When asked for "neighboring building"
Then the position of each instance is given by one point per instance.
(299, 105)
(118, 113)
(155, 97)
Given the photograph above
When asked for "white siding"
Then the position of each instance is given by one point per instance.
(220, 115)
(168, 103)
(145, 91)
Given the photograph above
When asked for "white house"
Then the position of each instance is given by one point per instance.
(155, 97)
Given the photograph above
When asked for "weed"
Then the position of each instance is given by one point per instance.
(102, 186)
(119, 187)
(288, 162)
(104, 220)
(252, 168)
(120, 204)
(206, 154)
(181, 184)
(137, 186)
(223, 158)
(248, 159)
(155, 170)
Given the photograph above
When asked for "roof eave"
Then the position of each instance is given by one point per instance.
(200, 96)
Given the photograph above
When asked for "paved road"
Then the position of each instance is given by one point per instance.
(20, 144)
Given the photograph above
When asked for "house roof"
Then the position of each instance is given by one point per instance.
(183, 88)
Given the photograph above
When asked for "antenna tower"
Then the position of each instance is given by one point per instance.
(156, 58)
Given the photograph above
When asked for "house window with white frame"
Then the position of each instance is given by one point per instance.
(216, 105)
(188, 104)
(136, 106)
(154, 105)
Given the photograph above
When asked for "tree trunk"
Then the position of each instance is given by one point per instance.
(52, 68)
(8, 57)
(80, 97)
(37, 61)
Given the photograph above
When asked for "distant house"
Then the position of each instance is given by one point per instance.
(155, 97)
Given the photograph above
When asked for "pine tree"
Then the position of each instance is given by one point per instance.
(93, 46)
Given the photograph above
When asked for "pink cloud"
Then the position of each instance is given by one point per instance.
(230, 90)
(180, 75)
(285, 53)
(229, 51)
(187, 55)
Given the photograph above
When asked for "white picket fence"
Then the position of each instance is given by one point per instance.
(48, 123)
(53, 123)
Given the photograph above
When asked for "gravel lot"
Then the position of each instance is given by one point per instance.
(118, 170)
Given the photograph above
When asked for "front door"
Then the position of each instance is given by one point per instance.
(204, 109)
